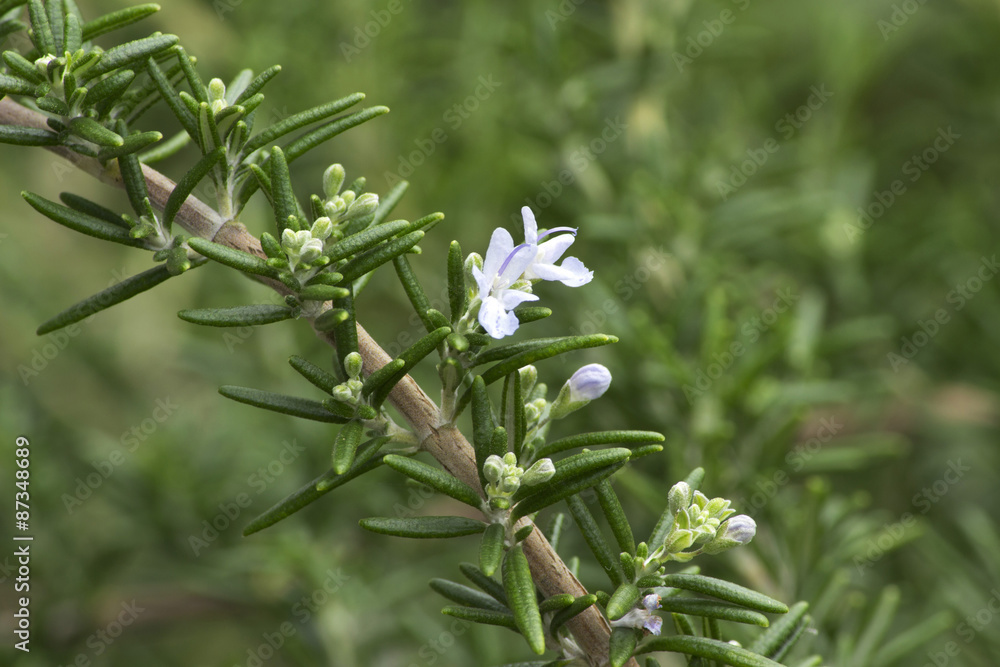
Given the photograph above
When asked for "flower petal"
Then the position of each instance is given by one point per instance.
(522, 258)
(530, 226)
(496, 321)
(550, 251)
(501, 243)
(571, 273)
(512, 298)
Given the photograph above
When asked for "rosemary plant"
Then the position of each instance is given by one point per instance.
(88, 105)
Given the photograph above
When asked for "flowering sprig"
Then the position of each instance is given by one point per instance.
(301, 249)
(505, 477)
(642, 616)
(697, 522)
(504, 278)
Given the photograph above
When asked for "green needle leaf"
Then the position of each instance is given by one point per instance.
(81, 222)
(316, 375)
(709, 649)
(41, 30)
(488, 584)
(782, 634)
(482, 426)
(312, 491)
(573, 474)
(10, 85)
(464, 595)
(281, 191)
(485, 616)
(58, 25)
(724, 590)
(599, 438)
(380, 254)
(607, 559)
(313, 139)
(612, 508)
(365, 240)
(414, 292)
(299, 120)
(532, 356)
(720, 610)
(257, 84)
(83, 205)
(91, 130)
(388, 202)
(237, 316)
(235, 258)
(411, 356)
(187, 184)
(129, 53)
(26, 136)
(74, 33)
(520, 590)
(458, 296)
(22, 67)
(555, 603)
(173, 99)
(323, 293)
(345, 446)
(436, 479)
(491, 549)
(423, 527)
(289, 405)
(623, 600)
(133, 143)
(622, 644)
(579, 605)
(110, 87)
(381, 376)
(117, 293)
(115, 20)
(526, 314)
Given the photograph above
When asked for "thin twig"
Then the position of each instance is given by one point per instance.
(445, 443)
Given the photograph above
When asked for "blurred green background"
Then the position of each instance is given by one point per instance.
(790, 209)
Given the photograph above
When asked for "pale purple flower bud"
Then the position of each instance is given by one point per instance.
(588, 383)
(741, 528)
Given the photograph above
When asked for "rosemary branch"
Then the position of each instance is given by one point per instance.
(445, 443)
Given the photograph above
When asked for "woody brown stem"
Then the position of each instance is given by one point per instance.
(444, 442)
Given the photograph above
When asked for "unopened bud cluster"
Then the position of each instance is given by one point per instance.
(698, 522)
(350, 391)
(505, 476)
(301, 247)
(342, 207)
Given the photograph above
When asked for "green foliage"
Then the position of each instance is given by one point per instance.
(686, 272)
